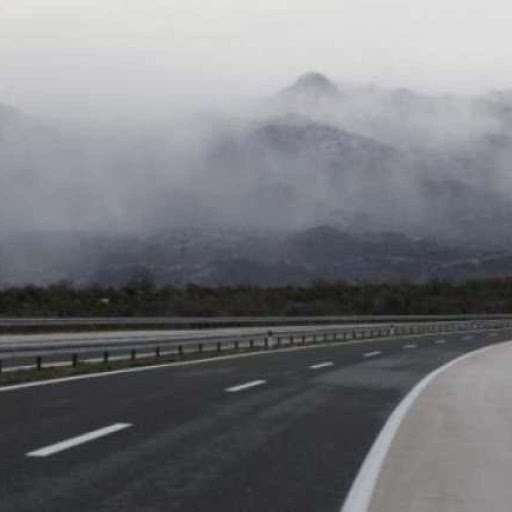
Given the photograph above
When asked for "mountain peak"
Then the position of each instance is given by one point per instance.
(309, 89)
(313, 82)
(312, 79)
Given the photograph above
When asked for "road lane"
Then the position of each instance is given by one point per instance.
(294, 443)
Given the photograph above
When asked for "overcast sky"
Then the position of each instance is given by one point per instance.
(58, 53)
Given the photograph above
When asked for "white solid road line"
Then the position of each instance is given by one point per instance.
(321, 365)
(247, 385)
(440, 342)
(75, 441)
(372, 354)
(411, 345)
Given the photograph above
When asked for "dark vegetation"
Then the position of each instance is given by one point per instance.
(142, 298)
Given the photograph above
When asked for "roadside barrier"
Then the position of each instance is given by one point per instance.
(135, 351)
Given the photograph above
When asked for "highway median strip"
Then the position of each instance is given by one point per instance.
(157, 356)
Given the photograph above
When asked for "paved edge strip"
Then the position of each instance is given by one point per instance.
(78, 440)
(361, 491)
(59, 380)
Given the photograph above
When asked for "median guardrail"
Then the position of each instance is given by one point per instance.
(48, 325)
(71, 353)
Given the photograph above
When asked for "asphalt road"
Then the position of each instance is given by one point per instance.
(280, 431)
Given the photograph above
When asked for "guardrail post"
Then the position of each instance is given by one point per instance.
(314, 338)
(133, 354)
(334, 337)
(279, 341)
(291, 340)
(39, 362)
(105, 356)
(219, 346)
(235, 345)
(74, 360)
(180, 350)
(200, 347)
(303, 342)
(265, 343)
(251, 344)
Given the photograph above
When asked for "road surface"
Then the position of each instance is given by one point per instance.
(278, 431)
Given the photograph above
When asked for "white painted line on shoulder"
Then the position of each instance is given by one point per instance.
(372, 354)
(75, 441)
(321, 365)
(409, 346)
(247, 385)
(440, 342)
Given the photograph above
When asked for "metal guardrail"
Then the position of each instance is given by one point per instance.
(106, 351)
(14, 325)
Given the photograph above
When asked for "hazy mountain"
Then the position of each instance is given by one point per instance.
(322, 180)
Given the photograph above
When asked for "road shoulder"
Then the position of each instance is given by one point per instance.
(453, 451)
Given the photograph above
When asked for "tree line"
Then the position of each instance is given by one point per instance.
(143, 298)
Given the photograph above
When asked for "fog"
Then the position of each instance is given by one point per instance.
(113, 55)
(131, 121)
(288, 160)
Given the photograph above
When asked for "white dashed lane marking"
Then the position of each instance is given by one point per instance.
(321, 365)
(76, 441)
(372, 354)
(409, 346)
(247, 385)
